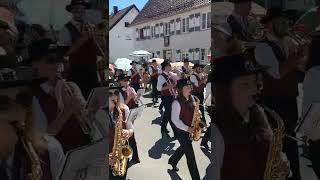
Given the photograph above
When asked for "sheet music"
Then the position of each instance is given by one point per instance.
(86, 163)
(135, 113)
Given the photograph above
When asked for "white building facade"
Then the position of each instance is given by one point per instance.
(186, 34)
(121, 36)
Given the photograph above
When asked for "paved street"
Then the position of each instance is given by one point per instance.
(155, 151)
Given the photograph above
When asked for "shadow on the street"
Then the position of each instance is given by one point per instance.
(209, 172)
(157, 121)
(174, 175)
(162, 146)
(207, 153)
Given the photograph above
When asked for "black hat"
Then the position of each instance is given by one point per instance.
(227, 68)
(77, 2)
(123, 77)
(183, 82)
(240, 1)
(186, 60)
(196, 66)
(113, 85)
(165, 64)
(271, 14)
(133, 62)
(154, 61)
(4, 25)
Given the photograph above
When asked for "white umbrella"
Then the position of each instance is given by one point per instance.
(140, 53)
(123, 63)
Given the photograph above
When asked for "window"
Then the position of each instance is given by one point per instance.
(157, 30)
(183, 25)
(161, 29)
(158, 54)
(185, 54)
(141, 34)
(209, 20)
(178, 25)
(203, 54)
(204, 21)
(197, 20)
(137, 34)
(172, 27)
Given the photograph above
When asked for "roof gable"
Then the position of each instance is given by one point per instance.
(155, 9)
(113, 20)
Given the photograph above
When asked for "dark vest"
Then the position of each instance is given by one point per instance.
(132, 104)
(284, 87)
(71, 135)
(166, 92)
(186, 113)
(112, 129)
(185, 70)
(86, 54)
(154, 77)
(243, 152)
(200, 88)
(236, 28)
(135, 79)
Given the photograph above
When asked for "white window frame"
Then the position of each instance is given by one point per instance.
(161, 29)
(191, 22)
(172, 27)
(197, 21)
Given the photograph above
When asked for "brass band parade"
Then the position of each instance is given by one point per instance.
(159, 89)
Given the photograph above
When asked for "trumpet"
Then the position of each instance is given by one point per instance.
(171, 90)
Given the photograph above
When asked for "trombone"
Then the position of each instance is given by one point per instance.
(171, 90)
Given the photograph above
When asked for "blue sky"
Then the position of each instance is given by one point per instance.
(125, 3)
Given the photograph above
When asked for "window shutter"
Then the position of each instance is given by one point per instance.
(197, 22)
(178, 26)
(157, 31)
(172, 28)
(137, 34)
(209, 20)
(204, 21)
(191, 23)
(161, 30)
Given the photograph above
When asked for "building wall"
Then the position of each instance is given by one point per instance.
(192, 44)
(121, 38)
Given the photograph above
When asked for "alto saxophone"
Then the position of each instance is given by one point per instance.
(197, 124)
(121, 151)
(275, 149)
(36, 170)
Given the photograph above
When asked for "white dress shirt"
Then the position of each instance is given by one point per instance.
(208, 95)
(175, 116)
(264, 55)
(311, 95)
(194, 80)
(162, 80)
(127, 112)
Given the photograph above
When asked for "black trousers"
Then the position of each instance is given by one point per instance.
(135, 86)
(185, 149)
(133, 145)
(154, 90)
(167, 103)
(315, 157)
(207, 134)
(85, 76)
(201, 98)
(288, 111)
(112, 177)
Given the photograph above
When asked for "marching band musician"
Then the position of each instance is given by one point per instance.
(128, 96)
(199, 83)
(135, 76)
(77, 40)
(166, 84)
(239, 19)
(280, 82)
(244, 126)
(154, 72)
(59, 105)
(17, 128)
(127, 131)
(182, 114)
(310, 126)
(208, 100)
(186, 68)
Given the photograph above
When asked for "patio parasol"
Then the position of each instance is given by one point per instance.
(123, 63)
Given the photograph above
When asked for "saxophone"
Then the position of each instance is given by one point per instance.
(275, 149)
(121, 150)
(197, 124)
(36, 170)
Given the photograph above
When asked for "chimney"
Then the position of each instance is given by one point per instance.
(115, 9)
